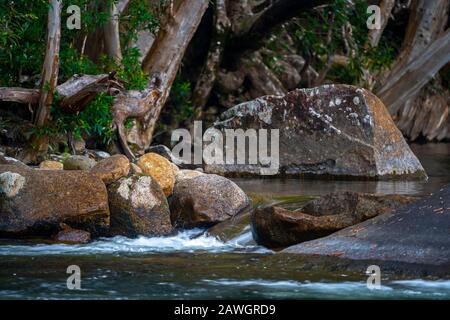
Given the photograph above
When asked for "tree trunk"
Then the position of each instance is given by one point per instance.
(409, 80)
(111, 34)
(166, 54)
(49, 76)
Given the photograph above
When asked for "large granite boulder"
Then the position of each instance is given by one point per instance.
(276, 227)
(35, 202)
(337, 130)
(415, 233)
(138, 207)
(204, 200)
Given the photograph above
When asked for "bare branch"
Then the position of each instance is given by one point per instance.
(20, 95)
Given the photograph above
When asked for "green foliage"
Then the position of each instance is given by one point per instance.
(321, 35)
(22, 50)
(142, 15)
(180, 100)
(94, 121)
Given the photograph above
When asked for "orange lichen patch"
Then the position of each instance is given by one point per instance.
(160, 169)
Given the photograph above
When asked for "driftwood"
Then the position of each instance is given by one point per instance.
(20, 95)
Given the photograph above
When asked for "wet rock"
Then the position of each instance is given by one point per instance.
(415, 233)
(51, 165)
(79, 163)
(35, 202)
(336, 130)
(72, 236)
(277, 227)
(205, 200)
(112, 168)
(138, 207)
(160, 169)
(235, 228)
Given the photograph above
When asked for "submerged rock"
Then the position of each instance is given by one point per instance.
(138, 207)
(112, 168)
(160, 169)
(35, 202)
(277, 227)
(205, 200)
(336, 130)
(72, 236)
(415, 233)
(79, 163)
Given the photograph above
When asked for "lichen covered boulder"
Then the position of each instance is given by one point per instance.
(205, 200)
(36, 202)
(112, 168)
(160, 169)
(337, 130)
(138, 207)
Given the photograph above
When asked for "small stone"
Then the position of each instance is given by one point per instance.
(160, 169)
(79, 163)
(51, 165)
(112, 168)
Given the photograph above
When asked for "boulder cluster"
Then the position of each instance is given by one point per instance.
(77, 198)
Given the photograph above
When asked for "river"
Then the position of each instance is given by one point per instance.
(192, 265)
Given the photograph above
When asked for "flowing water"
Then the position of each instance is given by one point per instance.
(194, 265)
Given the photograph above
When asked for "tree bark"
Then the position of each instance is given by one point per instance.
(111, 34)
(409, 80)
(49, 77)
(19, 95)
(165, 56)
